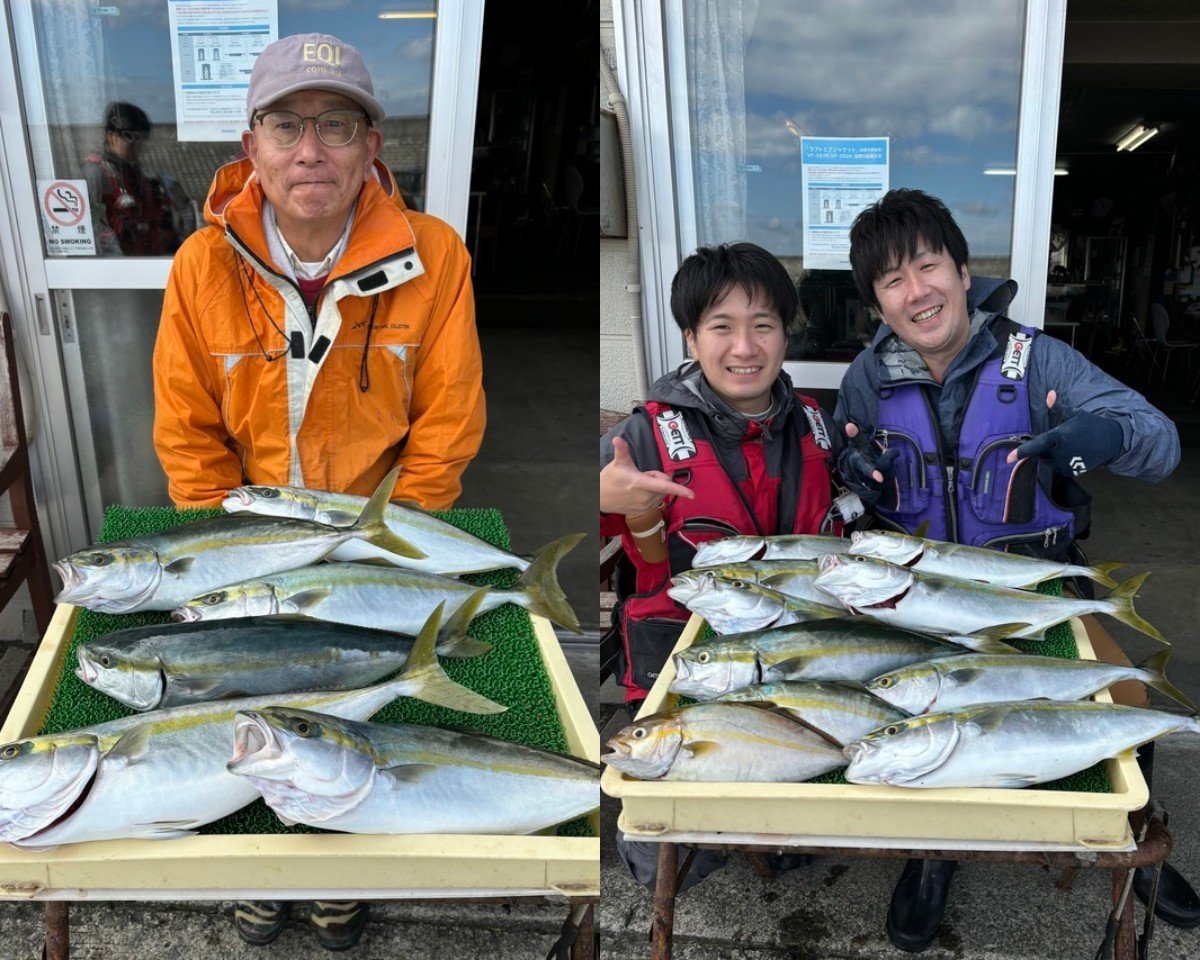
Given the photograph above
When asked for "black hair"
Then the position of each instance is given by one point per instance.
(707, 276)
(888, 232)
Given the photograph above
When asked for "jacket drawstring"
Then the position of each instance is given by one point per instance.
(270, 358)
(364, 376)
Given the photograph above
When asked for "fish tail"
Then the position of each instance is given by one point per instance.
(371, 526)
(1101, 573)
(424, 679)
(1154, 666)
(1120, 606)
(540, 583)
(453, 640)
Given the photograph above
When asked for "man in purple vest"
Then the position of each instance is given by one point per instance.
(966, 422)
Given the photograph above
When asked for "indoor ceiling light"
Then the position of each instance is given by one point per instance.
(1136, 137)
(1060, 170)
(408, 15)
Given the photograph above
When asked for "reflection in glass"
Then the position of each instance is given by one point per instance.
(126, 57)
(942, 81)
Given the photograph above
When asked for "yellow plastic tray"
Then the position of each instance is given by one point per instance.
(303, 866)
(867, 815)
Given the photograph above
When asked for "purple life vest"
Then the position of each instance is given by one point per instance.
(972, 495)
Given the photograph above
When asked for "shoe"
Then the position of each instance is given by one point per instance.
(338, 925)
(919, 903)
(1176, 903)
(259, 922)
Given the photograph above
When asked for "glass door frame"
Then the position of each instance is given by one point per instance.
(39, 287)
(652, 74)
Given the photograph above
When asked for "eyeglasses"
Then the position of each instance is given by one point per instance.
(133, 136)
(336, 128)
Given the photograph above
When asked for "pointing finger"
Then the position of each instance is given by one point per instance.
(1051, 399)
(621, 452)
(1033, 448)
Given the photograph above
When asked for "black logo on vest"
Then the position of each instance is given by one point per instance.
(678, 441)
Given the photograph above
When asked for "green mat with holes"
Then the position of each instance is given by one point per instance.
(1059, 642)
(512, 673)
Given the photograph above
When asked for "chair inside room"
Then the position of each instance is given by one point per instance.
(1160, 323)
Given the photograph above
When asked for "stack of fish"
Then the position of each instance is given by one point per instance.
(238, 708)
(902, 673)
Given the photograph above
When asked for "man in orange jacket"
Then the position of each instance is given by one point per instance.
(317, 333)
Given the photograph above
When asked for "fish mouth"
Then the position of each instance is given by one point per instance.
(184, 615)
(617, 751)
(253, 738)
(852, 751)
(86, 671)
(71, 578)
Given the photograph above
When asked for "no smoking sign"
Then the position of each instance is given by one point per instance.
(64, 206)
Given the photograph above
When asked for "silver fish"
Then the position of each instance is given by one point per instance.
(448, 550)
(721, 741)
(162, 774)
(899, 596)
(792, 578)
(842, 712)
(732, 606)
(381, 778)
(382, 598)
(161, 571)
(962, 562)
(845, 649)
(788, 547)
(977, 678)
(152, 667)
(40, 778)
(1005, 744)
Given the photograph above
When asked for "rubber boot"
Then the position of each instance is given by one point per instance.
(919, 903)
(1176, 903)
(338, 925)
(259, 922)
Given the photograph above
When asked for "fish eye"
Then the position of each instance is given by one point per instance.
(860, 559)
(302, 728)
(891, 731)
(639, 733)
(106, 661)
(99, 559)
(13, 750)
(884, 682)
(740, 584)
(214, 598)
(267, 493)
(703, 657)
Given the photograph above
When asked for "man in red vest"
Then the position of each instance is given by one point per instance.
(724, 445)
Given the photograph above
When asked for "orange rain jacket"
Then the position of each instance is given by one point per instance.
(247, 391)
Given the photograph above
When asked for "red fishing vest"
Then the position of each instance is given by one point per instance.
(650, 620)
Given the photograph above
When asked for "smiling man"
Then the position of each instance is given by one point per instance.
(963, 421)
(723, 446)
(318, 332)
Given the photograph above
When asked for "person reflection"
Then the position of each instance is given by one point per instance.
(133, 213)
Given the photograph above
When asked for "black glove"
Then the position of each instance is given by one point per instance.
(1081, 443)
(859, 460)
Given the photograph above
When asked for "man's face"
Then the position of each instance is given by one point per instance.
(924, 301)
(310, 183)
(739, 343)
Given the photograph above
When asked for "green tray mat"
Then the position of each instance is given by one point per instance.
(1059, 642)
(512, 673)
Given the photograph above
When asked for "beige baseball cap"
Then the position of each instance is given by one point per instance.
(310, 61)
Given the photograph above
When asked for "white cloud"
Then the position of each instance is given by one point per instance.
(421, 48)
(975, 208)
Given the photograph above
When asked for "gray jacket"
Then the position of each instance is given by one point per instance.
(1150, 442)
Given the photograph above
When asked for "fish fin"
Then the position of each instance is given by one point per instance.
(1001, 631)
(962, 675)
(424, 679)
(1012, 780)
(775, 579)
(132, 746)
(374, 562)
(540, 583)
(922, 531)
(162, 830)
(196, 687)
(308, 598)
(453, 640)
(702, 748)
(413, 506)
(410, 772)
(179, 567)
(1100, 572)
(1156, 665)
(1121, 600)
(781, 668)
(986, 720)
(371, 527)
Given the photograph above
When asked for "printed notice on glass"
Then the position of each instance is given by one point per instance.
(214, 44)
(839, 176)
(66, 217)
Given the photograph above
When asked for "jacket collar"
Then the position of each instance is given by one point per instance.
(687, 388)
